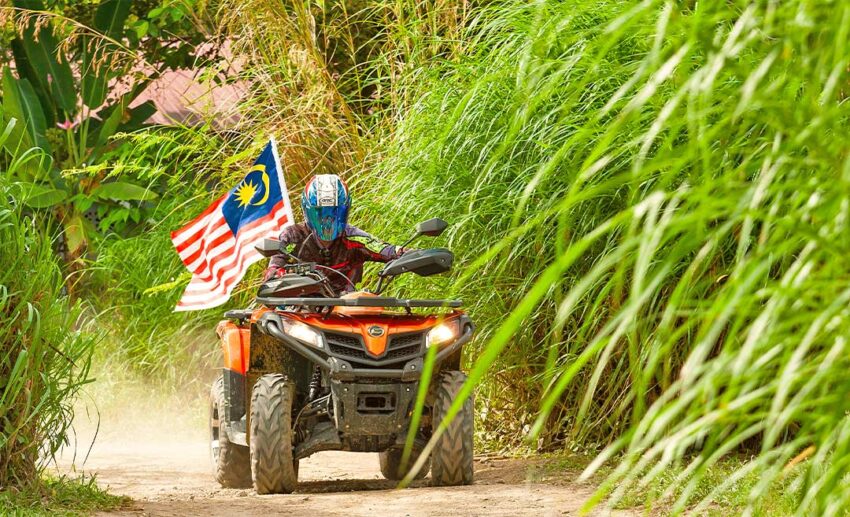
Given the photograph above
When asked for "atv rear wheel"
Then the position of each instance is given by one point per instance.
(391, 465)
(451, 459)
(231, 462)
(272, 468)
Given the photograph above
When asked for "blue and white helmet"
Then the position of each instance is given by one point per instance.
(325, 202)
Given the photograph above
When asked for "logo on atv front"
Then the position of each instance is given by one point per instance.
(375, 331)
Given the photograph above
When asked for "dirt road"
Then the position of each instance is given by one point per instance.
(152, 446)
(173, 479)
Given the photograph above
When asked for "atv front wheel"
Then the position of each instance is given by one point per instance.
(391, 465)
(451, 459)
(231, 462)
(272, 468)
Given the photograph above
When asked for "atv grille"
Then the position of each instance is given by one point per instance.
(350, 347)
(343, 340)
(347, 352)
(405, 341)
(404, 347)
(399, 349)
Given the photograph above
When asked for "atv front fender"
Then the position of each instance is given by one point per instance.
(235, 346)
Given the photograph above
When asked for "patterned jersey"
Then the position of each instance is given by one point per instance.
(345, 254)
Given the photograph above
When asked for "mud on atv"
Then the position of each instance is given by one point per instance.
(309, 371)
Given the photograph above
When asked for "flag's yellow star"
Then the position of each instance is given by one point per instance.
(245, 193)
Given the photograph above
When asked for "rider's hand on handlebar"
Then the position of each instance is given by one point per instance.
(273, 272)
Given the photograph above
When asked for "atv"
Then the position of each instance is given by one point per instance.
(308, 370)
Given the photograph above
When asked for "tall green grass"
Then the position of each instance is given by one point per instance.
(650, 201)
(44, 353)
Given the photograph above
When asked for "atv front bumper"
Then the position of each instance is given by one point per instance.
(366, 418)
(341, 370)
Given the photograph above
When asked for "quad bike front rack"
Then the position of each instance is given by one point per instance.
(369, 301)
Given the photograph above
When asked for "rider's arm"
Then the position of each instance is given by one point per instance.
(373, 249)
(289, 238)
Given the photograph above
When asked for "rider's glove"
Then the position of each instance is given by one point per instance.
(273, 272)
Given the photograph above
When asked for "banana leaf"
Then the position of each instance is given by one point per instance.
(77, 233)
(115, 116)
(25, 69)
(51, 68)
(108, 127)
(40, 196)
(123, 191)
(21, 102)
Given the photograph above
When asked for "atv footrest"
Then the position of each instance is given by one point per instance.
(323, 438)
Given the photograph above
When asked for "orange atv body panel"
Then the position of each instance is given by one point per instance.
(375, 329)
(375, 324)
(235, 345)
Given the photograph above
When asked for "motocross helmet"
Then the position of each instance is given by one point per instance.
(325, 202)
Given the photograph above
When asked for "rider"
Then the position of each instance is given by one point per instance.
(327, 239)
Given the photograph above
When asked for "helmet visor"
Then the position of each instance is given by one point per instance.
(327, 222)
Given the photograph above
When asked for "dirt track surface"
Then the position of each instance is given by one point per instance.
(152, 444)
(174, 480)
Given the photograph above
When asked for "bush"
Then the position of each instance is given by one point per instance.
(44, 354)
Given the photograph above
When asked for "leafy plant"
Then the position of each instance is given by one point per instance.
(44, 356)
(71, 99)
(63, 496)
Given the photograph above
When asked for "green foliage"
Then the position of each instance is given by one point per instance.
(650, 202)
(59, 496)
(44, 356)
(778, 500)
(21, 104)
(58, 94)
(144, 330)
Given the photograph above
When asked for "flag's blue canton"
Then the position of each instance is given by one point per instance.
(256, 195)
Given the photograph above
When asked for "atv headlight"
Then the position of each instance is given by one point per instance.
(302, 332)
(442, 333)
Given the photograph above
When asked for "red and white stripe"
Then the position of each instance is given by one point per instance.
(223, 262)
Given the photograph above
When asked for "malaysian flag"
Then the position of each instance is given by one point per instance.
(218, 245)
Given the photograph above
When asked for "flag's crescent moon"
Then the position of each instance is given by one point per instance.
(265, 178)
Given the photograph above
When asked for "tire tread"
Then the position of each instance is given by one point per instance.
(453, 455)
(272, 467)
(232, 468)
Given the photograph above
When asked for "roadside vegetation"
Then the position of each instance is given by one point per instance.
(59, 496)
(45, 359)
(649, 204)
